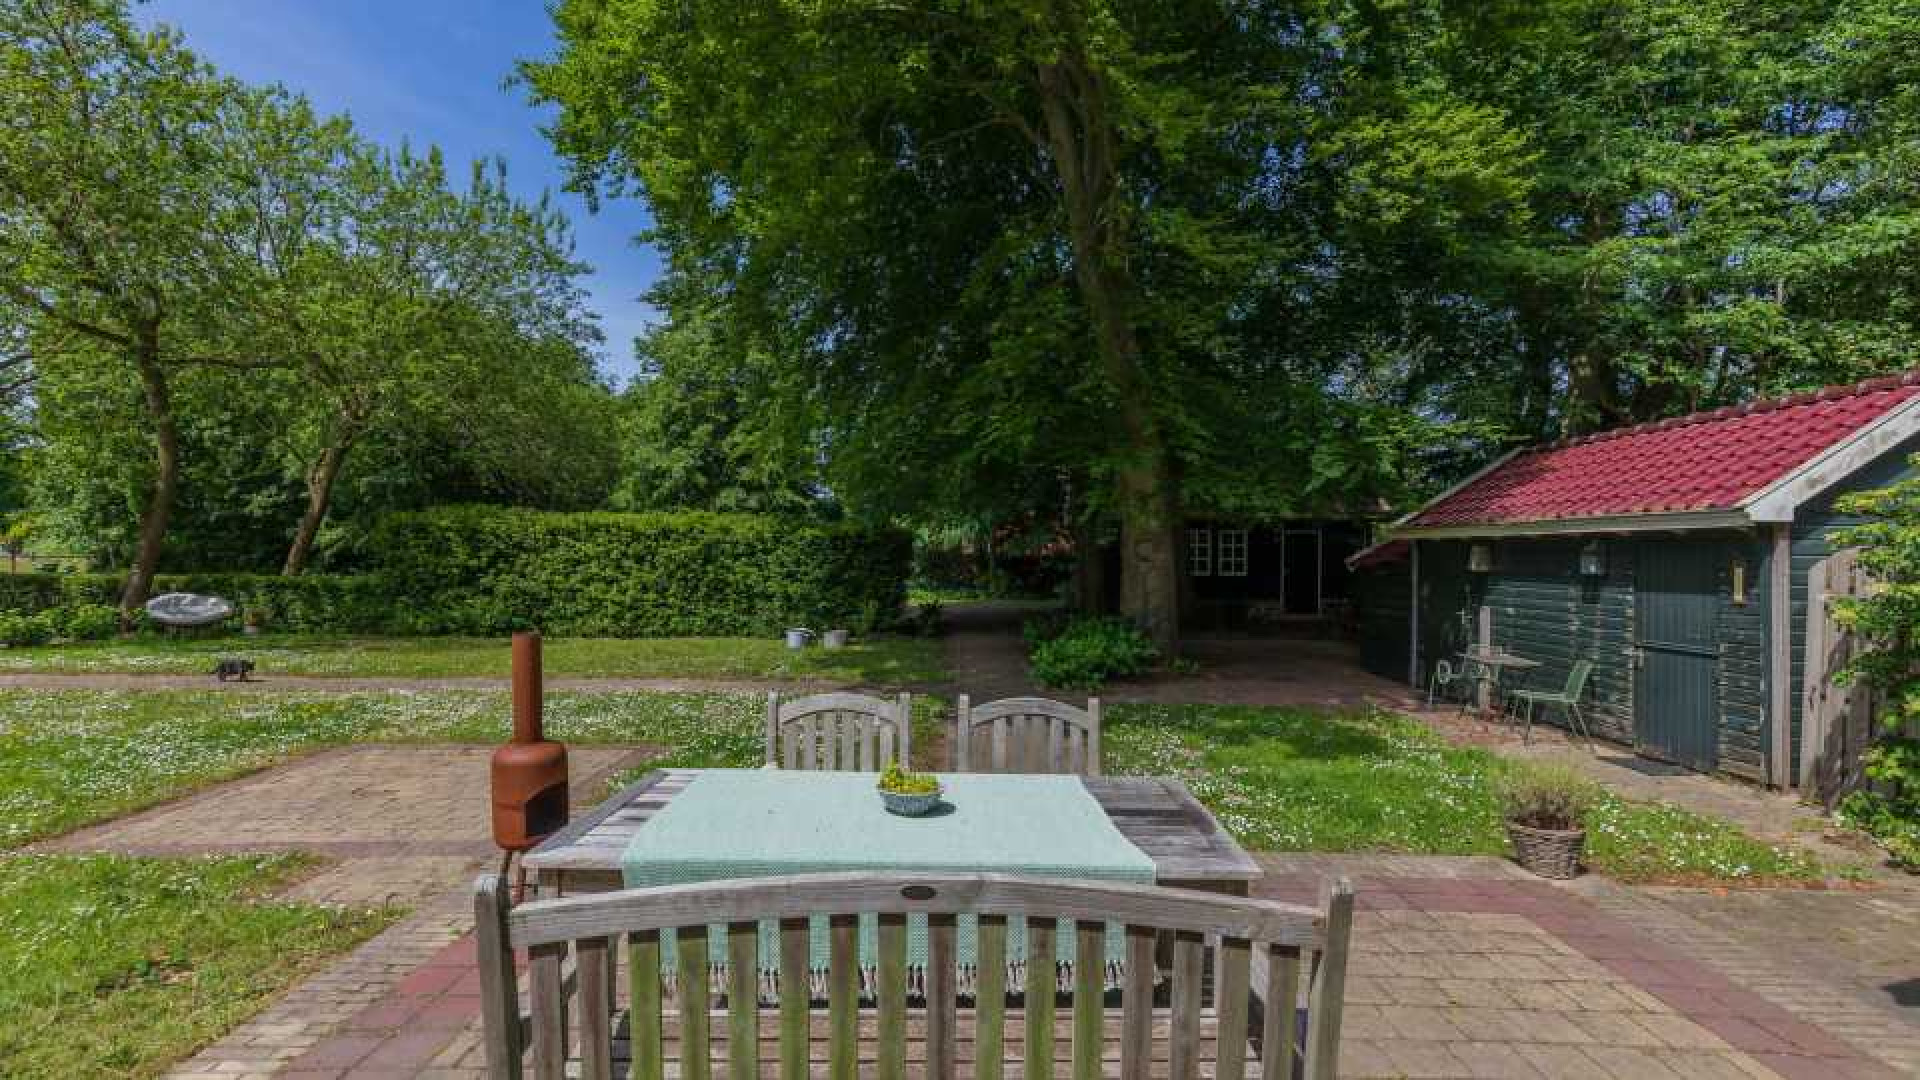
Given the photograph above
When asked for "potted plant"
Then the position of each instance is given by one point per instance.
(252, 621)
(1545, 809)
(909, 794)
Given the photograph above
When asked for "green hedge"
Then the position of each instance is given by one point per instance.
(317, 603)
(476, 570)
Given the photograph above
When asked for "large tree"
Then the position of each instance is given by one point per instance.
(137, 192)
(422, 307)
(1020, 235)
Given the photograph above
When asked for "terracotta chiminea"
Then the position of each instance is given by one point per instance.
(529, 773)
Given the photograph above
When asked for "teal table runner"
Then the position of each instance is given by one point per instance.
(731, 823)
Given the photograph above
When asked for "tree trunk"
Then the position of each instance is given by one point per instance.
(1089, 572)
(319, 496)
(1079, 136)
(166, 477)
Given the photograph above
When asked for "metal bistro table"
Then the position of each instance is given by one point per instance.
(1493, 663)
(1157, 814)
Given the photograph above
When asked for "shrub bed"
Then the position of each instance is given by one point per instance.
(1083, 653)
(478, 570)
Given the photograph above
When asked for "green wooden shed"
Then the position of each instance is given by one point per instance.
(1690, 560)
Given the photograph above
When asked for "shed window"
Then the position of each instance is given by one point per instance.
(1233, 553)
(1199, 552)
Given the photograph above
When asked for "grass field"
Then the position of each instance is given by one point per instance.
(1300, 780)
(1280, 779)
(116, 967)
(881, 661)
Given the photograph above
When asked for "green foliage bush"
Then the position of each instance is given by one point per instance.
(18, 629)
(1890, 810)
(479, 570)
(1085, 652)
(1889, 543)
(87, 622)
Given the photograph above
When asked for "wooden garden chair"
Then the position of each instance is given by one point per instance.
(1027, 735)
(851, 732)
(1566, 699)
(1227, 1008)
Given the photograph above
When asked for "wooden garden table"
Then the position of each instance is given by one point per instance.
(1157, 814)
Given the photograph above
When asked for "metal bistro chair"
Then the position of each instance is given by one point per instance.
(1243, 1021)
(1459, 684)
(1566, 699)
(848, 732)
(1027, 735)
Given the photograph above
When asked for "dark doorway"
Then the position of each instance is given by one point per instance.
(1677, 649)
(1300, 573)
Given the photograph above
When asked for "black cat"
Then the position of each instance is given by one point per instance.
(233, 668)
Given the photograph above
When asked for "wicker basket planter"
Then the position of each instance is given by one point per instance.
(1550, 853)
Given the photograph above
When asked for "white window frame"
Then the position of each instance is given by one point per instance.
(1230, 553)
(1199, 552)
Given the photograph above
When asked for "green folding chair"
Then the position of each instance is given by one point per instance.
(1566, 699)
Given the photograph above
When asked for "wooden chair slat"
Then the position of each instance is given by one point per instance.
(1327, 994)
(1041, 987)
(644, 1014)
(1000, 744)
(743, 1001)
(796, 997)
(1136, 1004)
(1232, 977)
(1189, 963)
(891, 998)
(843, 997)
(549, 1018)
(960, 756)
(499, 978)
(943, 957)
(696, 1001)
(1277, 1051)
(990, 998)
(1089, 999)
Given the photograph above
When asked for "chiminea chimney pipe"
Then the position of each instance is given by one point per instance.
(527, 690)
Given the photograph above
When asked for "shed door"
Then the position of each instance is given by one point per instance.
(1676, 622)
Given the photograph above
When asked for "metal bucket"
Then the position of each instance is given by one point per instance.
(798, 637)
(835, 639)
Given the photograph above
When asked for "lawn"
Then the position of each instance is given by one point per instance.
(70, 757)
(1302, 780)
(1279, 779)
(116, 967)
(879, 661)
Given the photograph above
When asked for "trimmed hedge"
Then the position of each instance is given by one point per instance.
(317, 603)
(481, 570)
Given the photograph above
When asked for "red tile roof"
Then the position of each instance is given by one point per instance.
(1706, 461)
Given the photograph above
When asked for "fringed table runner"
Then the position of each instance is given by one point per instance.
(753, 823)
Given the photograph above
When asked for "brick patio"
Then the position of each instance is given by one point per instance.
(1462, 968)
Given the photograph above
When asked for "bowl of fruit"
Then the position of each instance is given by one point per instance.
(909, 794)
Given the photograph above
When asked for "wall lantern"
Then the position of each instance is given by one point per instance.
(1480, 558)
(1739, 582)
(1593, 560)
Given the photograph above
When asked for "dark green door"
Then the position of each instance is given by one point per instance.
(1676, 635)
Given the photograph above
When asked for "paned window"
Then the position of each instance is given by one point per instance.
(1230, 557)
(1199, 552)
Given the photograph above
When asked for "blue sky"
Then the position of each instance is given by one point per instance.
(430, 72)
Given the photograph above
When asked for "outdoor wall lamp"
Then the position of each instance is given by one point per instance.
(1593, 560)
(1480, 558)
(1739, 582)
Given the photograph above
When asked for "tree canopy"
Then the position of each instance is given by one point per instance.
(1121, 259)
(238, 313)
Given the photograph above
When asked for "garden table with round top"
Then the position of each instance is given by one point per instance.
(1491, 663)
